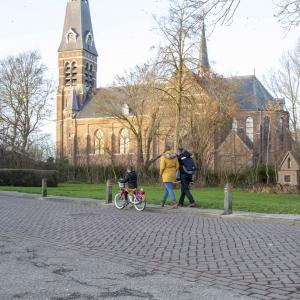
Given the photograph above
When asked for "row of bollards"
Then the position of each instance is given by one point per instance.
(227, 194)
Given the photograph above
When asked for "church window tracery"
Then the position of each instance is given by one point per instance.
(99, 142)
(124, 141)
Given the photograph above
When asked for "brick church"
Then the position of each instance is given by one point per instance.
(256, 135)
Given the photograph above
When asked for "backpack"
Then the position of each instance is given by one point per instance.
(189, 166)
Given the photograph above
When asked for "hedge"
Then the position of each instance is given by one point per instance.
(27, 177)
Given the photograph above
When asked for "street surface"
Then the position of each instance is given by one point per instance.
(64, 251)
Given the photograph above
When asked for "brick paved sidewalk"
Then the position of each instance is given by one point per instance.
(257, 259)
(291, 219)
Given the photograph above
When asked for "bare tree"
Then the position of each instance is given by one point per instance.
(135, 103)
(25, 92)
(288, 13)
(285, 83)
(176, 56)
(223, 11)
(211, 107)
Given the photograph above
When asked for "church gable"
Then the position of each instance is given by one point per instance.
(290, 162)
(234, 154)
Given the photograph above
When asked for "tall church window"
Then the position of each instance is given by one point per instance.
(289, 163)
(234, 125)
(74, 73)
(67, 74)
(266, 132)
(249, 130)
(99, 142)
(91, 75)
(124, 141)
(281, 130)
(86, 74)
(125, 110)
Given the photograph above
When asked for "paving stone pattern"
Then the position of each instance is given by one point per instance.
(257, 259)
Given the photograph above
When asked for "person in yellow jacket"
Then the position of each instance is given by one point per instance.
(168, 167)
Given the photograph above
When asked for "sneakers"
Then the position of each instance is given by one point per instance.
(175, 205)
(162, 204)
(180, 205)
(192, 204)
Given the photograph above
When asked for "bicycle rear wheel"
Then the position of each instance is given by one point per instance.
(120, 201)
(140, 202)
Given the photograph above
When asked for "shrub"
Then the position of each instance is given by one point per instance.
(27, 177)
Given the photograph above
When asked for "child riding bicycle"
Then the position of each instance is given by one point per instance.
(131, 180)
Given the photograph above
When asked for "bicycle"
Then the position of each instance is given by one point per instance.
(135, 197)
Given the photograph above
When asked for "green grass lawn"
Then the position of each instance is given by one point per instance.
(205, 197)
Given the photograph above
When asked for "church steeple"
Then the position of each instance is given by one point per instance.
(78, 30)
(203, 54)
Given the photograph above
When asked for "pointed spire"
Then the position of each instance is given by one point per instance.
(78, 30)
(203, 55)
(73, 103)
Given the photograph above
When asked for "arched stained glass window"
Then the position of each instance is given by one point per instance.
(249, 129)
(99, 143)
(124, 141)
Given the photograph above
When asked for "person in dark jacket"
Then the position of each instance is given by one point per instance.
(130, 178)
(185, 179)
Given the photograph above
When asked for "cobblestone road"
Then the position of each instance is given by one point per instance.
(257, 259)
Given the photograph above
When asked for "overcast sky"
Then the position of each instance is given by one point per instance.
(124, 35)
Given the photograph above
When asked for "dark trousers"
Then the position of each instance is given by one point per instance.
(185, 188)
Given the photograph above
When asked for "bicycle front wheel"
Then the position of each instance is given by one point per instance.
(140, 202)
(119, 201)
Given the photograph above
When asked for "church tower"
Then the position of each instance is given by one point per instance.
(77, 62)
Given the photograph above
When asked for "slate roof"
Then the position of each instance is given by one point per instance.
(78, 19)
(92, 108)
(250, 93)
